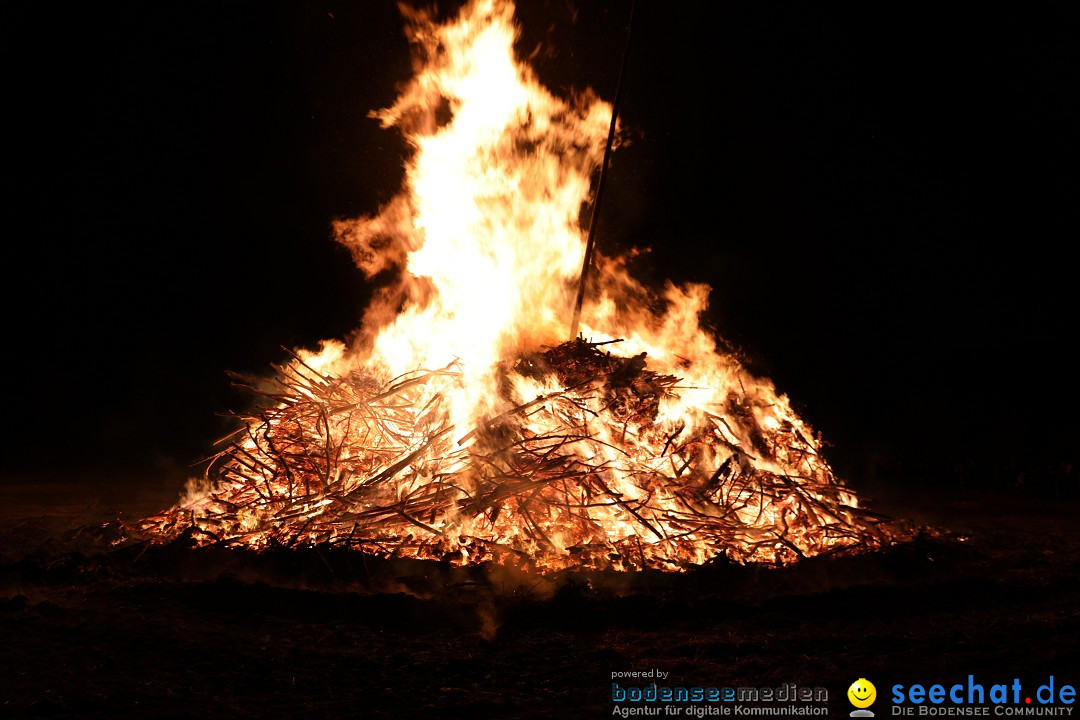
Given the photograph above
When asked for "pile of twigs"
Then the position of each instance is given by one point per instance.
(583, 475)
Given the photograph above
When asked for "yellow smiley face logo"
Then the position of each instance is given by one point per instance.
(862, 693)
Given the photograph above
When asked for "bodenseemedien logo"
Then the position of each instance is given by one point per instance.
(862, 694)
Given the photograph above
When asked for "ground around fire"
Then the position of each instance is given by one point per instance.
(178, 632)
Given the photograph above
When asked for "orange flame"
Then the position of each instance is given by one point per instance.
(486, 228)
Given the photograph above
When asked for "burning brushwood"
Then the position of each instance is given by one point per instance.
(587, 474)
(458, 426)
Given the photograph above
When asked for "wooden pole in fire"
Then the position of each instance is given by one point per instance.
(590, 243)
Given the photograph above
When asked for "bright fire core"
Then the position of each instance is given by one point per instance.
(458, 424)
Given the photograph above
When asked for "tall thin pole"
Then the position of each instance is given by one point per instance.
(590, 244)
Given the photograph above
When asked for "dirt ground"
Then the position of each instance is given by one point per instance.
(89, 631)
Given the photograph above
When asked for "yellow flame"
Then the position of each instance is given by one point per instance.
(487, 224)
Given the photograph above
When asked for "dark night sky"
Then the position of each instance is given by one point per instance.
(884, 197)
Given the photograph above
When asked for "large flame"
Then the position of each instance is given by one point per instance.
(486, 227)
(445, 429)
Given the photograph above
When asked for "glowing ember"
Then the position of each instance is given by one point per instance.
(457, 426)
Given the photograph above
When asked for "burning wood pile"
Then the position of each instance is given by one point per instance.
(586, 475)
(457, 424)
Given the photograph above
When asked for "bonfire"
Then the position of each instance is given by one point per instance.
(460, 423)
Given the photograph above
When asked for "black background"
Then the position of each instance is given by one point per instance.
(883, 196)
